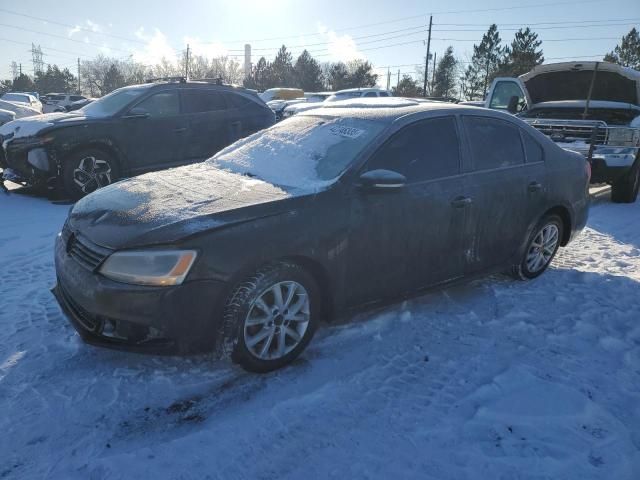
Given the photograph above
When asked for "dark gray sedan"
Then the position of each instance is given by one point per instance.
(246, 253)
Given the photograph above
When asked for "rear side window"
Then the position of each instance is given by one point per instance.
(163, 104)
(384, 94)
(203, 101)
(370, 94)
(237, 101)
(494, 143)
(75, 98)
(425, 150)
(532, 149)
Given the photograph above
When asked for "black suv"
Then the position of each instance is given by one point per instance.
(132, 130)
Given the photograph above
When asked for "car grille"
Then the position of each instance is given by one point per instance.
(83, 317)
(572, 130)
(85, 252)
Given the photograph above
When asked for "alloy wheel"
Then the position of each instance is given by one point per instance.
(542, 248)
(277, 320)
(91, 174)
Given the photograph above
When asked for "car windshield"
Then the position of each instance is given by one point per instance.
(112, 103)
(306, 152)
(16, 97)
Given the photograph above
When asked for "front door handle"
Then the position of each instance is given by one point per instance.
(180, 130)
(461, 202)
(534, 187)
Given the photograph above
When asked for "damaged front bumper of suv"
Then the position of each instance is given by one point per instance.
(28, 161)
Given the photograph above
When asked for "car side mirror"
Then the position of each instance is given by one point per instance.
(383, 180)
(513, 104)
(137, 112)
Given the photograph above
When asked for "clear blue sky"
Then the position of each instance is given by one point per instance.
(339, 29)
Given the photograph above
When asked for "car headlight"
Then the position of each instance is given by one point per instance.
(623, 137)
(149, 267)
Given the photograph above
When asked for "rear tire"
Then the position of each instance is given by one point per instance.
(625, 190)
(88, 170)
(541, 248)
(266, 330)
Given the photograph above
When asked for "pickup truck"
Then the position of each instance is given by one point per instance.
(589, 107)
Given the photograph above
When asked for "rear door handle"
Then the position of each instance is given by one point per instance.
(461, 202)
(534, 187)
(180, 130)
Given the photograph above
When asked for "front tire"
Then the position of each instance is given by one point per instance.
(541, 248)
(88, 170)
(625, 190)
(271, 317)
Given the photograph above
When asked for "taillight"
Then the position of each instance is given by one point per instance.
(587, 166)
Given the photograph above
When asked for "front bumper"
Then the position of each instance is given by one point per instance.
(180, 319)
(14, 155)
(608, 164)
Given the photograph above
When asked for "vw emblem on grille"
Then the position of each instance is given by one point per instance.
(556, 136)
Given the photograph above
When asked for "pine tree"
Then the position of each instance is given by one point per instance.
(485, 62)
(282, 69)
(472, 82)
(407, 87)
(338, 77)
(361, 74)
(113, 80)
(23, 83)
(522, 55)
(445, 77)
(307, 73)
(627, 53)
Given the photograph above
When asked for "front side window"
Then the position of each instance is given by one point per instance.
(494, 143)
(425, 150)
(503, 92)
(370, 94)
(163, 104)
(384, 94)
(203, 101)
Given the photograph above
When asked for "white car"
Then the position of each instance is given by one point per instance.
(23, 98)
(20, 110)
(55, 100)
(334, 97)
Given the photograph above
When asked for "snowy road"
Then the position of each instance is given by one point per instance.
(496, 379)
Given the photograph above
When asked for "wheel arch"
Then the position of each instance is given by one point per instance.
(565, 216)
(106, 146)
(321, 276)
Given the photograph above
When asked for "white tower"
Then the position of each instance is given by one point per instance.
(247, 60)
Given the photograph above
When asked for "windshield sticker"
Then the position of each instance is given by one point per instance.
(348, 132)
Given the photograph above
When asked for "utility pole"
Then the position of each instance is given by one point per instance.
(433, 74)
(186, 64)
(426, 61)
(398, 84)
(20, 69)
(388, 78)
(79, 91)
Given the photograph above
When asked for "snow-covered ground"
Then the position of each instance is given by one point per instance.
(496, 379)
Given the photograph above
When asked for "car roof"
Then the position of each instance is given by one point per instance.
(350, 90)
(390, 109)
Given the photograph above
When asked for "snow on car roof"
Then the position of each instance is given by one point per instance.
(380, 108)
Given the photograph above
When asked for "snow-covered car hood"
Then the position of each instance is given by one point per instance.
(27, 127)
(169, 205)
(572, 81)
